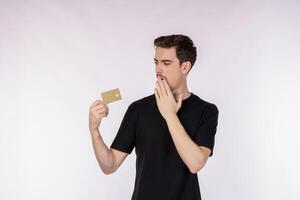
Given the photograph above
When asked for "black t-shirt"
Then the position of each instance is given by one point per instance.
(160, 172)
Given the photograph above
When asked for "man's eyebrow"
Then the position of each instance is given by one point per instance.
(166, 60)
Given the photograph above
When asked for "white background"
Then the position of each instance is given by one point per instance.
(57, 56)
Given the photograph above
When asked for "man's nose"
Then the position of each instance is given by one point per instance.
(158, 69)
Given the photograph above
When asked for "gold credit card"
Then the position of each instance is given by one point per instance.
(111, 96)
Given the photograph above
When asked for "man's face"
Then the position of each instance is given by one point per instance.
(168, 67)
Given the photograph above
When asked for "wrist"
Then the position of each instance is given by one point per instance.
(94, 131)
(171, 117)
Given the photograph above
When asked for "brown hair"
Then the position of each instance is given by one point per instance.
(185, 49)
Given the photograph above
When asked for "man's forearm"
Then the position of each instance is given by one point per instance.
(102, 152)
(189, 151)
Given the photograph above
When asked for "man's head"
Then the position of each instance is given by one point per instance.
(175, 56)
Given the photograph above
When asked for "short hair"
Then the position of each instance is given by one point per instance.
(185, 49)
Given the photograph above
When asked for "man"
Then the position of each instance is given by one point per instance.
(172, 131)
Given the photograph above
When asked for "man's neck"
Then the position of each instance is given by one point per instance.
(177, 93)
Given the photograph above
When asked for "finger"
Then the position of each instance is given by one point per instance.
(106, 107)
(100, 115)
(95, 103)
(104, 104)
(163, 88)
(156, 94)
(158, 89)
(101, 110)
(99, 106)
(167, 87)
(104, 114)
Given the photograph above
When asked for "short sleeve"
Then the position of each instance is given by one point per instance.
(125, 138)
(207, 128)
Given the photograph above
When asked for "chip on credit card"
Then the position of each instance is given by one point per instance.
(111, 96)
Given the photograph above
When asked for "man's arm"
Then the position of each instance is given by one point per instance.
(193, 155)
(109, 160)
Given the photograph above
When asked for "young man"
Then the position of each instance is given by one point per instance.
(172, 130)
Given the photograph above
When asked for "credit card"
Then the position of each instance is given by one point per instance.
(111, 96)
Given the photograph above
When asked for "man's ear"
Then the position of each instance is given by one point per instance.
(186, 66)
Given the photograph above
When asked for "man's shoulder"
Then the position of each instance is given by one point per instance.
(143, 101)
(204, 102)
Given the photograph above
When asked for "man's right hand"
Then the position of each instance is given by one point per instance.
(98, 110)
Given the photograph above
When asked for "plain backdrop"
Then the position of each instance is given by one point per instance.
(57, 56)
